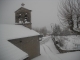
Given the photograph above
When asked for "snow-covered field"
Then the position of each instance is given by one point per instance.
(49, 52)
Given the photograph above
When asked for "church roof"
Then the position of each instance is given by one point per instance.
(22, 8)
(7, 50)
(16, 31)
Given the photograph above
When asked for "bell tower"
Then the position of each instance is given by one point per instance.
(23, 16)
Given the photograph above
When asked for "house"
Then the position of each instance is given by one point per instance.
(18, 41)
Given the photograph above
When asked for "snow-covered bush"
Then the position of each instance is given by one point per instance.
(61, 42)
(67, 42)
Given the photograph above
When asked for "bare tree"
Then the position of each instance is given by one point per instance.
(43, 31)
(70, 14)
(36, 29)
(66, 31)
(56, 30)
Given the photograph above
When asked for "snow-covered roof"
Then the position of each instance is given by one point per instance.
(10, 52)
(15, 31)
(7, 50)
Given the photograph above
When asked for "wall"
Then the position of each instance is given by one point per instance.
(29, 45)
(22, 11)
(28, 25)
(62, 51)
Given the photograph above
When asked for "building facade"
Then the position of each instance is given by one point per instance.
(30, 45)
(23, 17)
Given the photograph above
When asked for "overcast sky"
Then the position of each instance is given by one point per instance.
(44, 12)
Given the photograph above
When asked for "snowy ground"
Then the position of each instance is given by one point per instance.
(49, 52)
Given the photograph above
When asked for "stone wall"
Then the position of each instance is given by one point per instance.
(62, 51)
(30, 45)
(28, 25)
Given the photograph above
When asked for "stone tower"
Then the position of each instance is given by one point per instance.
(23, 16)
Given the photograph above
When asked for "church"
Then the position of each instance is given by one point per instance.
(19, 41)
(23, 17)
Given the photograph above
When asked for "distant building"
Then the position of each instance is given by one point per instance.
(21, 42)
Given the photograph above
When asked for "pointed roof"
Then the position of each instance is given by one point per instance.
(22, 8)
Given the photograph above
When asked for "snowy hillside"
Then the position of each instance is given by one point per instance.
(49, 52)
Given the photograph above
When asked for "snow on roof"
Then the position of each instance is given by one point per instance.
(10, 52)
(15, 31)
(7, 50)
